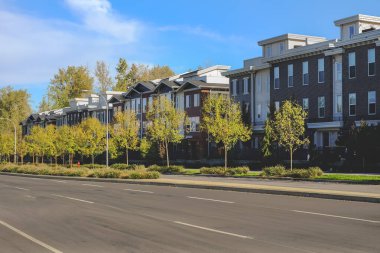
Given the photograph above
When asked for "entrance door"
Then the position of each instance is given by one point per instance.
(326, 141)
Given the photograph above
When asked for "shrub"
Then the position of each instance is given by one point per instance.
(104, 173)
(123, 166)
(274, 171)
(93, 166)
(222, 171)
(140, 174)
(298, 173)
(315, 172)
(172, 169)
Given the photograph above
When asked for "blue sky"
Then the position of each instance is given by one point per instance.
(38, 37)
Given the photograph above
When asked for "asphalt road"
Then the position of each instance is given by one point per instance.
(44, 215)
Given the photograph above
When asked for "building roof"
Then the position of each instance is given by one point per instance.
(291, 36)
(203, 85)
(358, 17)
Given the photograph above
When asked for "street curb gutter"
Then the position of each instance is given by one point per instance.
(300, 192)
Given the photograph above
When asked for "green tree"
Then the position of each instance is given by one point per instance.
(44, 105)
(22, 149)
(145, 146)
(103, 77)
(157, 72)
(69, 83)
(165, 123)
(289, 128)
(68, 141)
(6, 145)
(53, 146)
(122, 75)
(38, 142)
(223, 120)
(267, 140)
(126, 131)
(91, 137)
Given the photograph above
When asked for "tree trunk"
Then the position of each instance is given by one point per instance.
(42, 159)
(167, 153)
(225, 156)
(291, 159)
(127, 156)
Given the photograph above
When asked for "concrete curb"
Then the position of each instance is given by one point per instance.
(299, 192)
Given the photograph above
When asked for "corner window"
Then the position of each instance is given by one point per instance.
(351, 65)
(269, 51)
(245, 86)
(290, 75)
(352, 104)
(276, 78)
(321, 107)
(305, 73)
(188, 103)
(351, 31)
(321, 70)
(234, 87)
(193, 125)
(371, 102)
(371, 62)
(339, 103)
(196, 100)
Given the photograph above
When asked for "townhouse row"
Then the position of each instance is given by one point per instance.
(337, 81)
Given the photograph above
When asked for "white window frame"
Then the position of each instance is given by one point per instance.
(369, 103)
(290, 75)
(320, 99)
(196, 100)
(339, 104)
(188, 103)
(372, 60)
(268, 51)
(351, 63)
(305, 71)
(321, 68)
(353, 104)
(277, 105)
(234, 84)
(351, 31)
(282, 47)
(245, 86)
(338, 69)
(259, 111)
(276, 74)
(305, 101)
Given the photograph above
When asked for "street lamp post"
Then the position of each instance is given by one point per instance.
(15, 144)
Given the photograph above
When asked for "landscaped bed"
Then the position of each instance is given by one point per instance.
(138, 173)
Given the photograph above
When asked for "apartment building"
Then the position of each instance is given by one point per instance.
(336, 81)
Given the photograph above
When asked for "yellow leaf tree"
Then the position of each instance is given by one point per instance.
(222, 118)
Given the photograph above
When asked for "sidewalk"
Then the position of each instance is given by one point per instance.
(304, 189)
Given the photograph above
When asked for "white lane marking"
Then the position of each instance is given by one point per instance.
(61, 196)
(213, 230)
(20, 188)
(59, 181)
(214, 200)
(93, 185)
(132, 190)
(336, 216)
(30, 237)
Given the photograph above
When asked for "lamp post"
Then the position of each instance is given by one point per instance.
(15, 144)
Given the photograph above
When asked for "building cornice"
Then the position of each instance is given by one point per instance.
(359, 17)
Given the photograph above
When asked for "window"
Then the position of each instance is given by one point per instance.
(277, 78)
(371, 62)
(305, 104)
(133, 105)
(371, 102)
(305, 73)
(277, 105)
(269, 51)
(351, 65)
(193, 124)
(351, 31)
(321, 70)
(259, 111)
(245, 85)
(290, 75)
(338, 70)
(321, 107)
(234, 87)
(352, 104)
(282, 47)
(150, 101)
(196, 100)
(144, 105)
(188, 101)
(138, 105)
(339, 103)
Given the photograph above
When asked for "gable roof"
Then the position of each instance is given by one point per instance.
(203, 85)
(171, 84)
